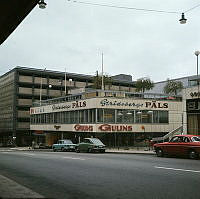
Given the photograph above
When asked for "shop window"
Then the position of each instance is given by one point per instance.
(100, 115)
(109, 116)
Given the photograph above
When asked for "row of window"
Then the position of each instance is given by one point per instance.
(93, 116)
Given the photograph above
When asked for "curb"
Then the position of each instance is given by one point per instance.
(132, 152)
(107, 151)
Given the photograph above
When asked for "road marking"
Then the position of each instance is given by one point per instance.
(28, 153)
(186, 170)
(73, 158)
(4, 150)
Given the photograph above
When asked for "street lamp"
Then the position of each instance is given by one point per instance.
(197, 54)
(183, 19)
(42, 4)
(41, 87)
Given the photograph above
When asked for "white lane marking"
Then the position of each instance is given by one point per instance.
(5, 150)
(28, 154)
(73, 158)
(174, 169)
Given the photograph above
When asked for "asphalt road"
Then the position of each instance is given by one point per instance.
(112, 176)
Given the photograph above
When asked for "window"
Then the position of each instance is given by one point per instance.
(100, 115)
(109, 116)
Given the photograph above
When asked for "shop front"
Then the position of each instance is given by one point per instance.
(193, 110)
(118, 122)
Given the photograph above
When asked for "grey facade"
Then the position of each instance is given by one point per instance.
(187, 82)
(21, 87)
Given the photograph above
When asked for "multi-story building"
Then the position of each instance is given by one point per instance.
(186, 81)
(22, 86)
(117, 118)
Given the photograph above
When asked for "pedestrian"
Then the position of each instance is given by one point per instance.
(33, 144)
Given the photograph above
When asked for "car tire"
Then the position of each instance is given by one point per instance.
(77, 150)
(89, 150)
(193, 155)
(159, 152)
(54, 150)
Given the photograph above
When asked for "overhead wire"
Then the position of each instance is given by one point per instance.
(192, 8)
(124, 7)
(132, 8)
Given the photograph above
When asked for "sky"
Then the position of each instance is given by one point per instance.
(72, 36)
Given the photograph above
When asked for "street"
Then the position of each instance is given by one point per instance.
(83, 175)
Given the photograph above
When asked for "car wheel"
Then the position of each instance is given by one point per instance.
(89, 150)
(77, 150)
(159, 152)
(54, 149)
(192, 154)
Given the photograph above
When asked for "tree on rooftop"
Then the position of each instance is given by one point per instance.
(173, 87)
(97, 81)
(143, 84)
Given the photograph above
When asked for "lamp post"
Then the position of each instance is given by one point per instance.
(41, 87)
(42, 4)
(197, 54)
(183, 19)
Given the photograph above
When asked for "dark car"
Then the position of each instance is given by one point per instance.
(180, 145)
(90, 145)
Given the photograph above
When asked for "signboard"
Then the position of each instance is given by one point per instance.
(115, 128)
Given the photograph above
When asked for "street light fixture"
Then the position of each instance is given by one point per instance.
(183, 19)
(197, 54)
(42, 4)
(41, 86)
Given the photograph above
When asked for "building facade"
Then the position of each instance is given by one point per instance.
(117, 118)
(191, 99)
(21, 87)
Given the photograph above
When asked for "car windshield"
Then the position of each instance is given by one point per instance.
(196, 139)
(68, 142)
(97, 141)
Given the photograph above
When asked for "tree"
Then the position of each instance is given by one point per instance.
(97, 81)
(173, 87)
(143, 84)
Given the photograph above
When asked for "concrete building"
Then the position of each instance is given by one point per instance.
(187, 82)
(21, 87)
(118, 118)
(191, 99)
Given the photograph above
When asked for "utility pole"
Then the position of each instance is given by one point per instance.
(102, 81)
(65, 83)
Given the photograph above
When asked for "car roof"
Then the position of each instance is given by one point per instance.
(187, 135)
(92, 138)
(64, 140)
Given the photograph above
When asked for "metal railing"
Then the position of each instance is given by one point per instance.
(168, 136)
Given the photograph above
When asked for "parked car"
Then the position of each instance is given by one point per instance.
(64, 145)
(180, 145)
(90, 145)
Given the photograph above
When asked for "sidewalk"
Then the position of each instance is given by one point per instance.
(139, 150)
(136, 150)
(11, 189)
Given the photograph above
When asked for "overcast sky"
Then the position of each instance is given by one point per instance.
(73, 36)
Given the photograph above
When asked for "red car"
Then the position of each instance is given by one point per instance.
(180, 145)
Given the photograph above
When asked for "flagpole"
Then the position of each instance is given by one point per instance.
(102, 79)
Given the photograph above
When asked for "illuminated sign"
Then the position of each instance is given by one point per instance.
(195, 94)
(106, 102)
(118, 128)
(73, 105)
(117, 103)
(155, 104)
(84, 128)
